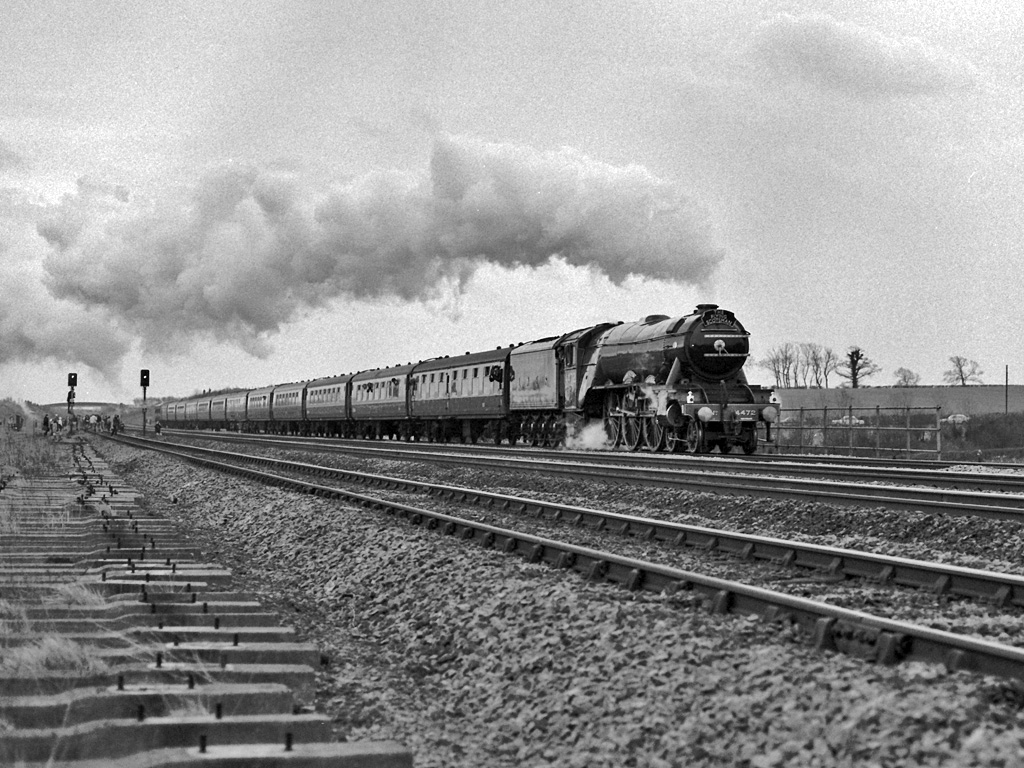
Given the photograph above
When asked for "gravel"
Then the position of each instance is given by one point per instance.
(474, 658)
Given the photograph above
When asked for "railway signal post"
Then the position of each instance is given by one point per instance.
(144, 383)
(72, 383)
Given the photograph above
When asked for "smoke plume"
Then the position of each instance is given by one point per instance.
(33, 326)
(250, 249)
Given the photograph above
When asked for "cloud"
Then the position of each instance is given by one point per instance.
(251, 249)
(94, 200)
(858, 61)
(33, 326)
(11, 160)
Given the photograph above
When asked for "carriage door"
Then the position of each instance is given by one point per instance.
(447, 393)
(569, 362)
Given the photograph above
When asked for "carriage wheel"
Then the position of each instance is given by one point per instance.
(496, 432)
(724, 445)
(695, 437)
(654, 434)
(532, 432)
(631, 432)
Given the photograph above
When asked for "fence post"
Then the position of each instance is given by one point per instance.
(824, 429)
(938, 432)
(800, 431)
(878, 424)
(908, 431)
(849, 418)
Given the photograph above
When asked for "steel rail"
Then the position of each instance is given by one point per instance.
(829, 627)
(916, 499)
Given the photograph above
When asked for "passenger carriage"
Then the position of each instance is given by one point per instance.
(218, 412)
(327, 412)
(287, 401)
(379, 403)
(461, 397)
(259, 410)
(202, 413)
(234, 410)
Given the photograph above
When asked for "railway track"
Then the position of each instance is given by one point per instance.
(989, 496)
(121, 646)
(830, 626)
(1002, 477)
(1008, 478)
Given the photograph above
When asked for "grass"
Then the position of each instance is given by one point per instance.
(51, 654)
(74, 594)
(32, 456)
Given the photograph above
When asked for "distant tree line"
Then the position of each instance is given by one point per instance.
(811, 365)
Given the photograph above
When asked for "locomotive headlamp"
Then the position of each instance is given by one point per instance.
(770, 414)
(705, 414)
(690, 398)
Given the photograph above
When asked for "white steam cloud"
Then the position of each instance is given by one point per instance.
(34, 326)
(250, 249)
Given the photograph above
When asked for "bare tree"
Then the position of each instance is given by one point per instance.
(907, 378)
(963, 372)
(800, 365)
(829, 363)
(805, 364)
(856, 366)
(781, 361)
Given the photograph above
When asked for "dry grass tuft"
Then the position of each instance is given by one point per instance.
(32, 456)
(74, 594)
(50, 654)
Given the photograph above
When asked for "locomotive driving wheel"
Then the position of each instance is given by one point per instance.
(632, 432)
(695, 437)
(613, 429)
(654, 434)
(612, 421)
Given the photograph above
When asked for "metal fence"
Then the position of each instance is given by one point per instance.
(884, 432)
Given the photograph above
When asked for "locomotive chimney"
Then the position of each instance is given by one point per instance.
(706, 307)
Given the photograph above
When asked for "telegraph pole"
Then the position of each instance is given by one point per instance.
(144, 382)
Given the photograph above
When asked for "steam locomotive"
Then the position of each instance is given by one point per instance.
(660, 383)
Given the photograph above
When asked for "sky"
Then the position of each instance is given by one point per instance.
(240, 194)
